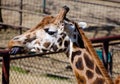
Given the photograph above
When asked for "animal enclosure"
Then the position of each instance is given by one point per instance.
(103, 18)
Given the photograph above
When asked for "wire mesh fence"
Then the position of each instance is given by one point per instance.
(95, 12)
(48, 69)
(116, 61)
(53, 68)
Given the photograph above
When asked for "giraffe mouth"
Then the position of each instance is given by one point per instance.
(61, 15)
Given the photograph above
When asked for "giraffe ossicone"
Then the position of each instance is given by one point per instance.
(58, 33)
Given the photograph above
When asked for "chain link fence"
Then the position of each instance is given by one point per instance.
(48, 69)
(95, 12)
(54, 68)
(116, 61)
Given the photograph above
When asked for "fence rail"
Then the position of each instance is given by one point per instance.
(117, 1)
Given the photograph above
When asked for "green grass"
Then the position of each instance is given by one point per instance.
(18, 69)
(56, 77)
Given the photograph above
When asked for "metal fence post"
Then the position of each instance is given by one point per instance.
(1, 19)
(5, 68)
(44, 6)
(105, 54)
(21, 7)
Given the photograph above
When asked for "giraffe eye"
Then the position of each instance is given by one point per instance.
(50, 32)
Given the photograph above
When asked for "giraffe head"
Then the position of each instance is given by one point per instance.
(48, 36)
(52, 34)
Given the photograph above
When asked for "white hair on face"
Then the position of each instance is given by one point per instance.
(83, 25)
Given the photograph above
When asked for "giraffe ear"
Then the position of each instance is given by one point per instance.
(83, 25)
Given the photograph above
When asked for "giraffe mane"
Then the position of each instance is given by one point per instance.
(45, 21)
(50, 19)
(89, 47)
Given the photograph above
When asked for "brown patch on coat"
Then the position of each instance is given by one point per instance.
(46, 44)
(117, 80)
(99, 81)
(80, 79)
(30, 39)
(60, 41)
(63, 35)
(54, 47)
(66, 43)
(79, 64)
(76, 53)
(88, 61)
(89, 74)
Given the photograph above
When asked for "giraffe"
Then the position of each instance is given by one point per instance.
(58, 33)
(117, 81)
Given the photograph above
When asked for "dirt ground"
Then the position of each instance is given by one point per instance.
(103, 15)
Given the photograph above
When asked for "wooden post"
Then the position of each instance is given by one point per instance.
(44, 6)
(5, 67)
(21, 7)
(105, 54)
(1, 19)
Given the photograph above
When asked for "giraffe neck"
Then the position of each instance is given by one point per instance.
(84, 66)
(86, 70)
(93, 55)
